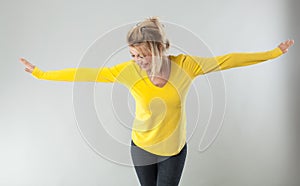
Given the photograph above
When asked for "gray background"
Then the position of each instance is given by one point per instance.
(39, 138)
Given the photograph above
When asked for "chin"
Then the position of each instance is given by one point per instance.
(145, 68)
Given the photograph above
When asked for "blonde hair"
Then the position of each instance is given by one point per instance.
(149, 38)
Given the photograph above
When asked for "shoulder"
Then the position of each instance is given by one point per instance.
(178, 57)
(188, 63)
(182, 60)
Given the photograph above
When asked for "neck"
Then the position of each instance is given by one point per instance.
(165, 69)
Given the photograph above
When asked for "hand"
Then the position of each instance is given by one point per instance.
(29, 67)
(284, 46)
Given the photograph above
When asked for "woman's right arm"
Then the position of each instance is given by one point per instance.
(103, 74)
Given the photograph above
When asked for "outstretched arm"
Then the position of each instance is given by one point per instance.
(103, 74)
(200, 65)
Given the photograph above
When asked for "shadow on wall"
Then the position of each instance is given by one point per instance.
(293, 85)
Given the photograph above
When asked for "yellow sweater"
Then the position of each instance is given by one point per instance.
(160, 120)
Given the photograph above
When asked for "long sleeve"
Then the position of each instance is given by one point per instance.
(199, 65)
(103, 74)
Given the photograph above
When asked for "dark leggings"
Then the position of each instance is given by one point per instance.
(154, 170)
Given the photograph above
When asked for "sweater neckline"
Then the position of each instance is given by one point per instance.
(168, 81)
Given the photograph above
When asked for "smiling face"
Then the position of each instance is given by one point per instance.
(144, 60)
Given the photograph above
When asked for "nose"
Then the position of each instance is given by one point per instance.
(139, 62)
(136, 59)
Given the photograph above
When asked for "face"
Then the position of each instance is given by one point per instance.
(143, 61)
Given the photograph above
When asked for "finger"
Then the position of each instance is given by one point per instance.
(22, 60)
(26, 63)
(28, 70)
(286, 42)
(291, 42)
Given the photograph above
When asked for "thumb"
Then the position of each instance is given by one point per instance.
(28, 70)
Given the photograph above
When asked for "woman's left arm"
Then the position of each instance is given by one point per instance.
(232, 60)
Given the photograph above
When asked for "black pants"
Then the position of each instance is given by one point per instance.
(154, 170)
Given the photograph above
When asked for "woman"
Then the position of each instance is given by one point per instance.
(159, 84)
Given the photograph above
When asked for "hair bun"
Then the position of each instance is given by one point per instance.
(154, 19)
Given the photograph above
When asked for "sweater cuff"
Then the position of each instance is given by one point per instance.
(37, 72)
(276, 52)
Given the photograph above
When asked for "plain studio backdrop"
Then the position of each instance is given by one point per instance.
(45, 139)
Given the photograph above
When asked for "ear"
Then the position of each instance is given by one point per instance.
(167, 44)
(160, 46)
